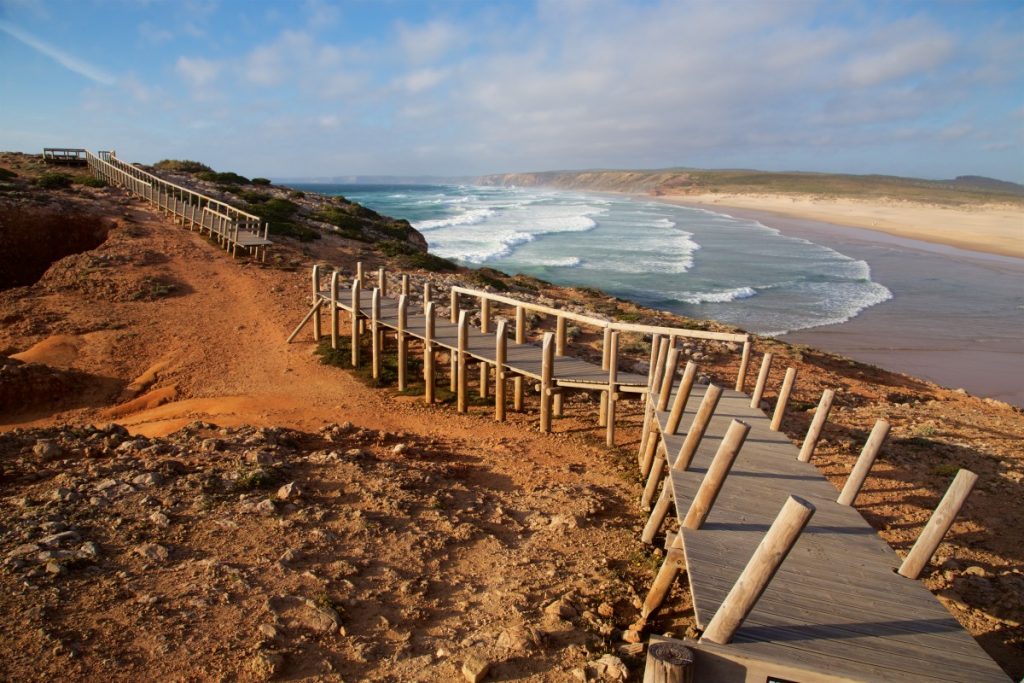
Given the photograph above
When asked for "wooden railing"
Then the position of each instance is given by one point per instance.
(64, 155)
(231, 226)
(486, 299)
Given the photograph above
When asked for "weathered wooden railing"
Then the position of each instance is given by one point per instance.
(230, 226)
(71, 156)
(561, 317)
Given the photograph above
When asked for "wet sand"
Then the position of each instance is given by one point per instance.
(956, 316)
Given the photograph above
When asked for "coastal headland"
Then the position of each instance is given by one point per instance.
(187, 495)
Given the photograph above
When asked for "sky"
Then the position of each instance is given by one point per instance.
(312, 88)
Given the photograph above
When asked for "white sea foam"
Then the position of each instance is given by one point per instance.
(719, 297)
(565, 262)
(470, 217)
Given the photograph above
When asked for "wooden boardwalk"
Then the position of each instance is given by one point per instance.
(836, 609)
(522, 359)
(233, 228)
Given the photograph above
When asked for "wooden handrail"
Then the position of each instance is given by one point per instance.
(603, 324)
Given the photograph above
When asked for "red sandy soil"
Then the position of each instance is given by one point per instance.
(418, 537)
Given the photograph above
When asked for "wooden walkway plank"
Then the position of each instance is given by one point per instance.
(836, 604)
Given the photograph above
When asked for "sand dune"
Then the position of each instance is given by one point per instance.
(993, 229)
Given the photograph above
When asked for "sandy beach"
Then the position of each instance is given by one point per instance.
(992, 229)
(955, 318)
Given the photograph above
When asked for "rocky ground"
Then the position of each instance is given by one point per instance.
(329, 529)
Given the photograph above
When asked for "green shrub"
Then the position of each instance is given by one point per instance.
(181, 166)
(152, 288)
(253, 197)
(390, 248)
(53, 181)
(488, 277)
(92, 181)
(260, 181)
(427, 261)
(226, 177)
(6, 174)
(297, 194)
(348, 226)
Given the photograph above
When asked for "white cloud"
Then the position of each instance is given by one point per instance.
(68, 61)
(428, 41)
(900, 60)
(197, 71)
(422, 79)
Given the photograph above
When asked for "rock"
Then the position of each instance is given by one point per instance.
(152, 551)
(289, 491)
(400, 448)
(632, 635)
(160, 519)
(264, 665)
(47, 449)
(24, 549)
(289, 555)
(562, 608)
(266, 507)
(520, 639)
(148, 479)
(320, 618)
(259, 457)
(210, 445)
(605, 610)
(54, 568)
(89, 550)
(608, 668)
(268, 630)
(970, 571)
(57, 539)
(475, 668)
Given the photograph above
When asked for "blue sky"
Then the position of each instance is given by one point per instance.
(315, 88)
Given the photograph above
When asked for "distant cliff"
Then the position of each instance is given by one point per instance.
(962, 190)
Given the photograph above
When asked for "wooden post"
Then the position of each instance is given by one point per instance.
(500, 351)
(546, 380)
(375, 332)
(426, 295)
(700, 424)
(649, 437)
(613, 379)
(602, 416)
(675, 562)
(939, 523)
(714, 478)
(659, 512)
(382, 282)
(864, 462)
(668, 378)
(359, 272)
(405, 284)
(780, 406)
(669, 662)
(760, 570)
(517, 381)
(645, 433)
(741, 375)
(355, 322)
(461, 366)
(428, 354)
(560, 343)
(484, 378)
(682, 397)
(762, 378)
(485, 314)
(453, 316)
(403, 319)
(334, 309)
(316, 297)
(817, 424)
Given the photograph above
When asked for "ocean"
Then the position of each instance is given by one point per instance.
(689, 261)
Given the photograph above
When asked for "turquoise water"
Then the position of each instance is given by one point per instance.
(689, 261)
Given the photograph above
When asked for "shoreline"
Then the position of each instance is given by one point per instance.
(954, 317)
(990, 229)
